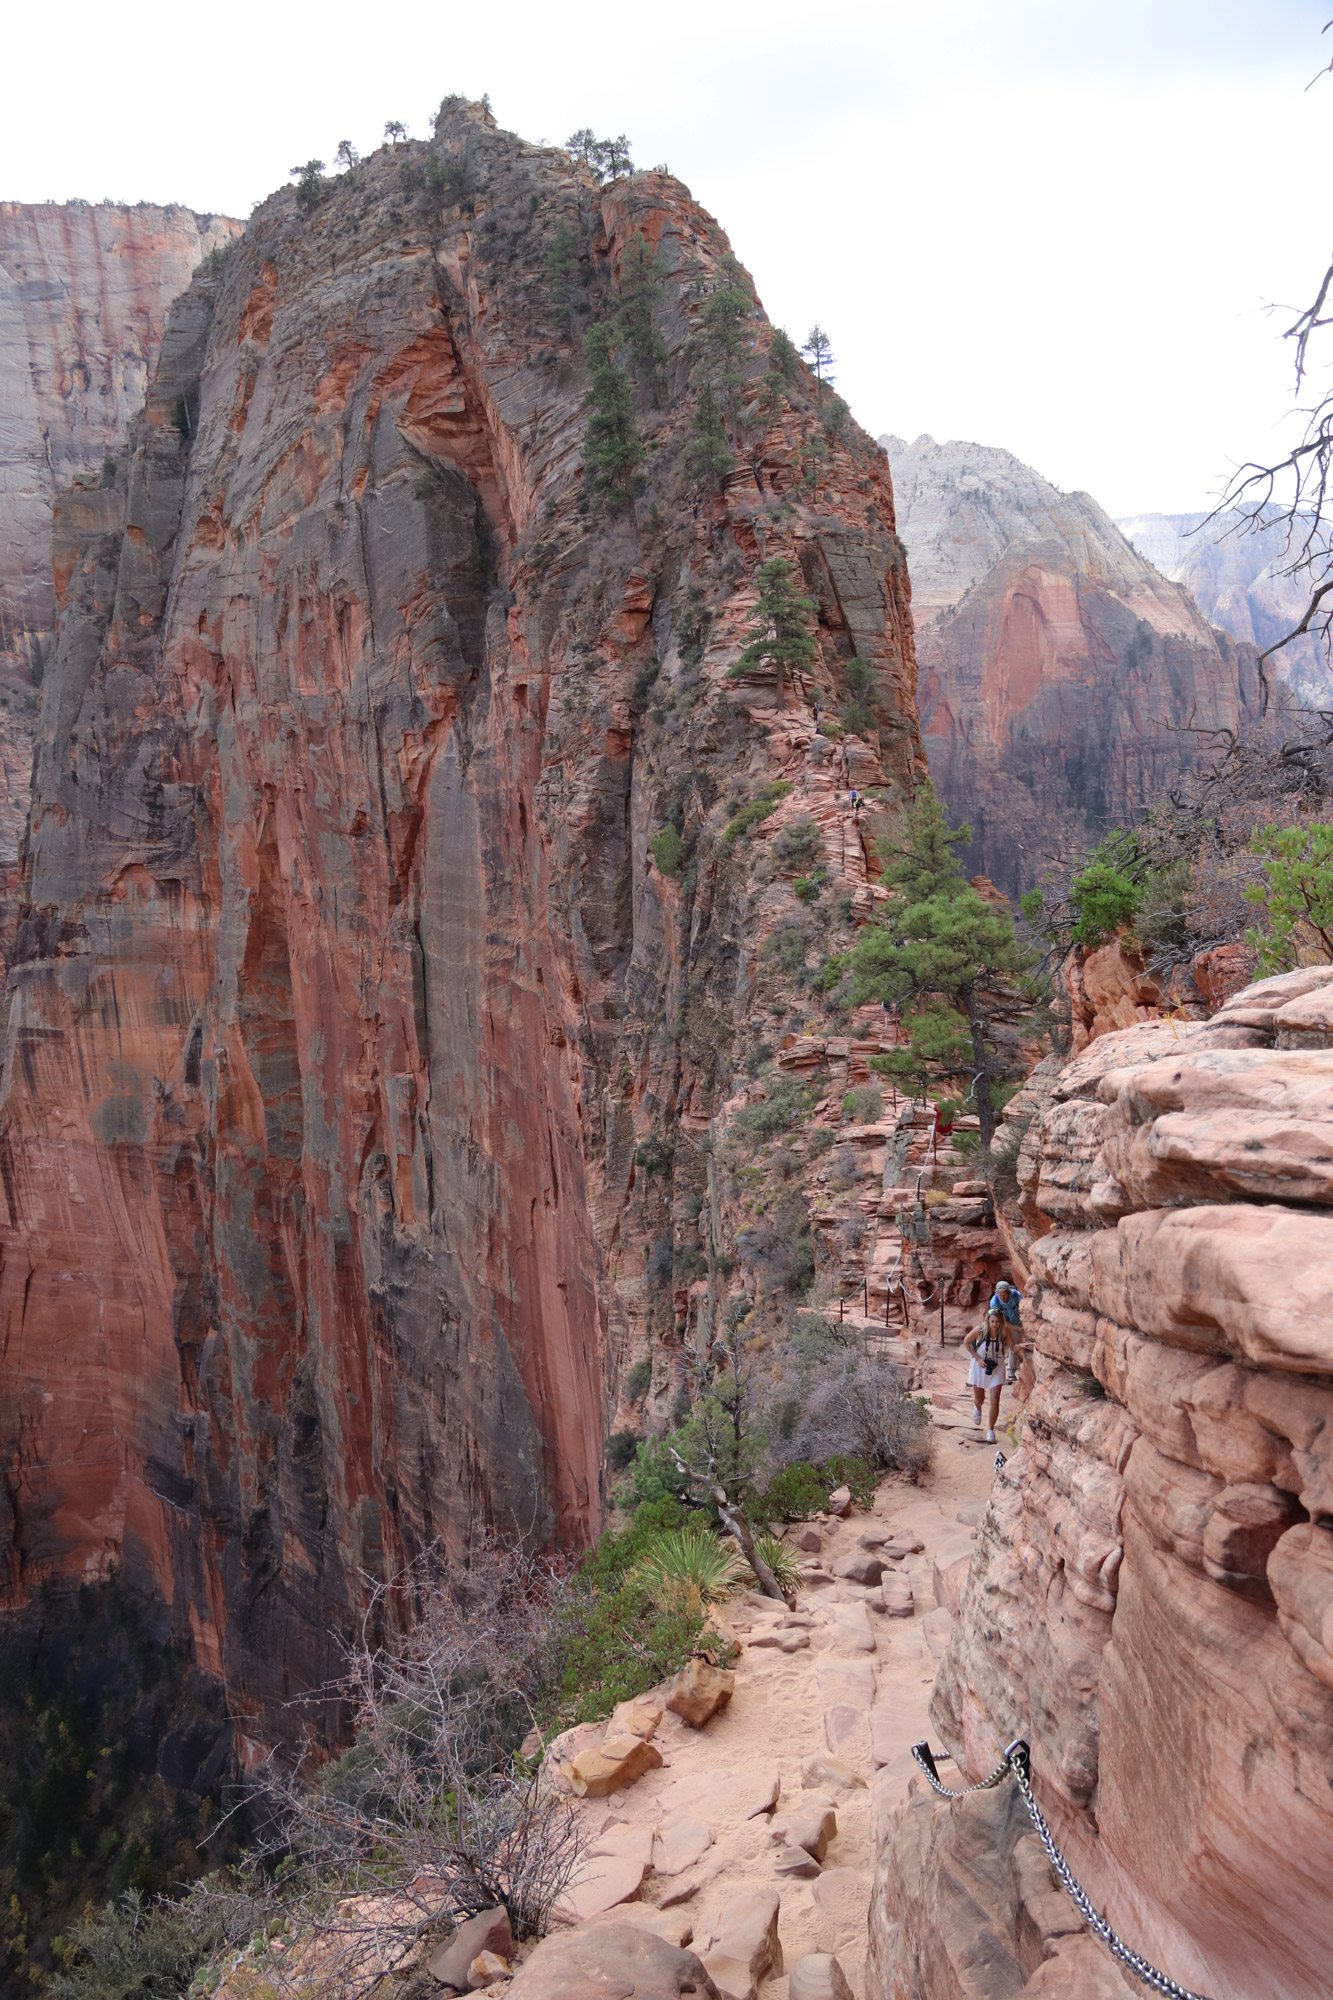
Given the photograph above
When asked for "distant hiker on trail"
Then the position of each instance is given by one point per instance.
(986, 1348)
(1008, 1300)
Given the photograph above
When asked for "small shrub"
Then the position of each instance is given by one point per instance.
(135, 1949)
(856, 1474)
(864, 1105)
(785, 948)
(858, 719)
(661, 1261)
(766, 801)
(638, 1381)
(616, 1637)
(776, 1112)
(793, 1494)
(782, 1561)
(668, 850)
(693, 1563)
(621, 1449)
(807, 887)
(654, 1155)
(1104, 900)
(799, 845)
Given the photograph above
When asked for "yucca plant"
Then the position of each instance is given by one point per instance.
(782, 1561)
(692, 1562)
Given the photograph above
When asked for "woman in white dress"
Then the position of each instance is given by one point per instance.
(986, 1347)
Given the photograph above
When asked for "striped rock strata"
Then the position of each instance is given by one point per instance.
(1151, 1602)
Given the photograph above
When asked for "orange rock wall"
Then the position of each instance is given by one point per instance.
(1151, 1602)
(347, 993)
(84, 292)
(1065, 683)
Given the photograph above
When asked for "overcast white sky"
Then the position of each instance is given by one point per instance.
(1046, 224)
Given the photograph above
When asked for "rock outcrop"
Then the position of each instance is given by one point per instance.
(1064, 683)
(358, 1051)
(84, 292)
(1236, 576)
(1151, 1601)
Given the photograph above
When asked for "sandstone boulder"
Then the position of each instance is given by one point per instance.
(840, 1501)
(603, 1768)
(744, 1949)
(818, 1976)
(485, 1967)
(699, 1691)
(489, 1932)
(610, 1962)
(811, 1826)
(679, 1842)
(860, 1566)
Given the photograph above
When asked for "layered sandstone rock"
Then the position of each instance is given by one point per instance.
(1151, 1601)
(357, 1049)
(84, 292)
(1236, 574)
(1064, 682)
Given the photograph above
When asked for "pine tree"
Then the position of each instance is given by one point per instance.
(309, 185)
(780, 628)
(641, 292)
(945, 954)
(562, 274)
(611, 445)
(708, 456)
(820, 350)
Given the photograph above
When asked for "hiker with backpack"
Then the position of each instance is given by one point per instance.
(986, 1348)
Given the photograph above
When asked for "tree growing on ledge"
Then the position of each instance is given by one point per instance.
(641, 292)
(947, 956)
(309, 184)
(611, 446)
(780, 629)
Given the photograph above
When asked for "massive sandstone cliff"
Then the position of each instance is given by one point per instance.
(1151, 1601)
(84, 292)
(1236, 576)
(357, 1051)
(1064, 683)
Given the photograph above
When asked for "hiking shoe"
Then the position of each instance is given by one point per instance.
(976, 1415)
(990, 1437)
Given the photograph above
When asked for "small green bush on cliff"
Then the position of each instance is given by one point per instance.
(1296, 895)
(765, 801)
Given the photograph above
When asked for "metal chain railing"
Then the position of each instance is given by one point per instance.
(1018, 1763)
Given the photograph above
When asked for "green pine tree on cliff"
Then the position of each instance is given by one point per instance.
(945, 954)
(611, 446)
(641, 292)
(780, 629)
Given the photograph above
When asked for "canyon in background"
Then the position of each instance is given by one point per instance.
(403, 937)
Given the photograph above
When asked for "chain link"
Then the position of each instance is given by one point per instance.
(1018, 1760)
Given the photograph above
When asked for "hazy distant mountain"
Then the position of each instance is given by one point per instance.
(1064, 682)
(1235, 577)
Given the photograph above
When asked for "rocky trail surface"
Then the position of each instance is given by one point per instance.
(774, 1808)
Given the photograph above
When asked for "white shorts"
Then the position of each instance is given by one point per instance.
(977, 1378)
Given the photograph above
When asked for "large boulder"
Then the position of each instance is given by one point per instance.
(612, 1962)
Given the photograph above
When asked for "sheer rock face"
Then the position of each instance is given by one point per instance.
(1236, 574)
(1062, 678)
(347, 993)
(84, 293)
(1151, 1601)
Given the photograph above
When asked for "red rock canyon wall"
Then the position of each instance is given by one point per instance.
(346, 992)
(1151, 1602)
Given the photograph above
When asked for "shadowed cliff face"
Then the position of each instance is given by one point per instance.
(347, 993)
(1064, 683)
(84, 292)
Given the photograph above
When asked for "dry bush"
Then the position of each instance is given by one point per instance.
(862, 1410)
(431, 1815)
